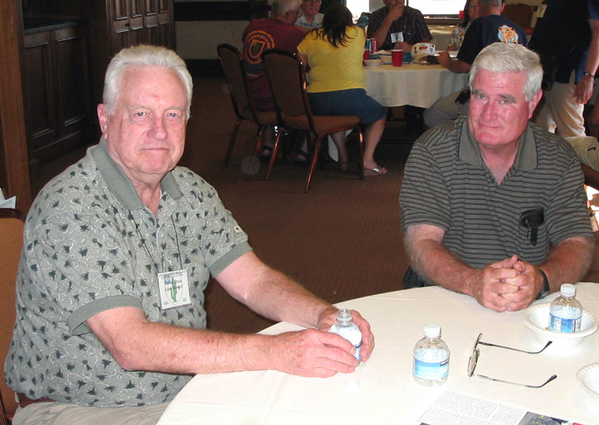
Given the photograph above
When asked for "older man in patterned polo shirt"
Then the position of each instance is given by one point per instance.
(118, 250)
(493, 206)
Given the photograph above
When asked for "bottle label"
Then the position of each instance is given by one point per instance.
(560, 324)
(432, 368)
(352, 334)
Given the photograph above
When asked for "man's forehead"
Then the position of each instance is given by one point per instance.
(489, 80)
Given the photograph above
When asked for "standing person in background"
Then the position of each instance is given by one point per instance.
(277, 31)
(309, 18)
(471, 13)
(337, 86)
(566, 36)
(396, 26)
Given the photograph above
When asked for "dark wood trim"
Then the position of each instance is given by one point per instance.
(14, 163)
(221, 10)
(11, 213)
(204, 67)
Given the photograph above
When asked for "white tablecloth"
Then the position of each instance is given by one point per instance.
(411, 84)
(382, 391)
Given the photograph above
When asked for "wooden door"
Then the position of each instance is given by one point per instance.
(39, 92)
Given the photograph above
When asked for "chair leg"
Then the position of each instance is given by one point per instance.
(259, 143)
(260, 140)
(361, 156)
(275, 151)
(231, 143)
(314, 161)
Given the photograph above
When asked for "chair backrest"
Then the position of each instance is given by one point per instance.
(287, 79)
(235, 73)
(11, 244)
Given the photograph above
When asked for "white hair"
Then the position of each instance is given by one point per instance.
(281, 7)
(510, 57)
(140, 56)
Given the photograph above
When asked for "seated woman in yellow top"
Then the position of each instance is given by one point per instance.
(337, 81)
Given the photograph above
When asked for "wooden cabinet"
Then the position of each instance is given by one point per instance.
(58, 104)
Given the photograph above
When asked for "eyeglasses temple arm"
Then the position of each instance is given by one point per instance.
(551, 378)
(515, 349)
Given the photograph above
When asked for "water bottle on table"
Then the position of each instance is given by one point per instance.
(348, 330)
(431, 358)
(565, 312)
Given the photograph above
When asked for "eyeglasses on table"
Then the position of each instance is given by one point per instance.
(472, 362)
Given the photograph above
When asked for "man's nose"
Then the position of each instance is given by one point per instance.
(489, 110)
(159, 128)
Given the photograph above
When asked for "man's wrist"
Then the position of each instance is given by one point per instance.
(588, 74)
(546, 287)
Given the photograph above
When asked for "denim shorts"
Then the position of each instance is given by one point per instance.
(352, 102)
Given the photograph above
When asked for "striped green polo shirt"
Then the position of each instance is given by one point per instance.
(447, 184)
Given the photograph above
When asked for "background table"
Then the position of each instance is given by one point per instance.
(382, 391)
(412, 84)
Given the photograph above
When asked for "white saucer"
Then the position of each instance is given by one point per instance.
(588, 377)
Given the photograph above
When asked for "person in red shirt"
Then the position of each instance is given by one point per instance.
(277, 31)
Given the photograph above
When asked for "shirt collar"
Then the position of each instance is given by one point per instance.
(120, 185)
(526, 158)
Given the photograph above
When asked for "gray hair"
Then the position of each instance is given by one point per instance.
(510, 57)
(281, 7)
(486, 4)
(140, 56)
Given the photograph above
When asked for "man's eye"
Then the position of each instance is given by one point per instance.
(140, 114)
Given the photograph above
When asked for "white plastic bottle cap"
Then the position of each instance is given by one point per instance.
(567, 290)
(432, 330)
(344, 314)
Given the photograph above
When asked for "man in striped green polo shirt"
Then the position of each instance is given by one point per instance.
(492, 205)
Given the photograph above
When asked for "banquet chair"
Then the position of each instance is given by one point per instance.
(235, 74)
(11, 241)
(287, 79)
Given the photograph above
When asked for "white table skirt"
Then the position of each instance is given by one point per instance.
(411, 84)
(382, 391)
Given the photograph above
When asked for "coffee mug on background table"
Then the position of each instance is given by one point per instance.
(396, 57)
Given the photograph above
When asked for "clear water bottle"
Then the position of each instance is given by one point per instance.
(431, 358)
(565, 311)
(348, 330)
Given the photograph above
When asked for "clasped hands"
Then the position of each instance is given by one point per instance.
(508, 285)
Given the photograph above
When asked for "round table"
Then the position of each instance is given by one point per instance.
(382, 391)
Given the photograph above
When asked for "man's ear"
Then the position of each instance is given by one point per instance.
(532, 104)
(103, 119)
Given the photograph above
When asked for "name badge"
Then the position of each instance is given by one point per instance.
(174, 289)
(541, 10)
(396, 37)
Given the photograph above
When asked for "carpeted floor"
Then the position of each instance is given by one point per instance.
(342, 240)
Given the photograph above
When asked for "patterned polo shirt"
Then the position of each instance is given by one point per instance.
(411, 24)
(90, 245)
(447, 184)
